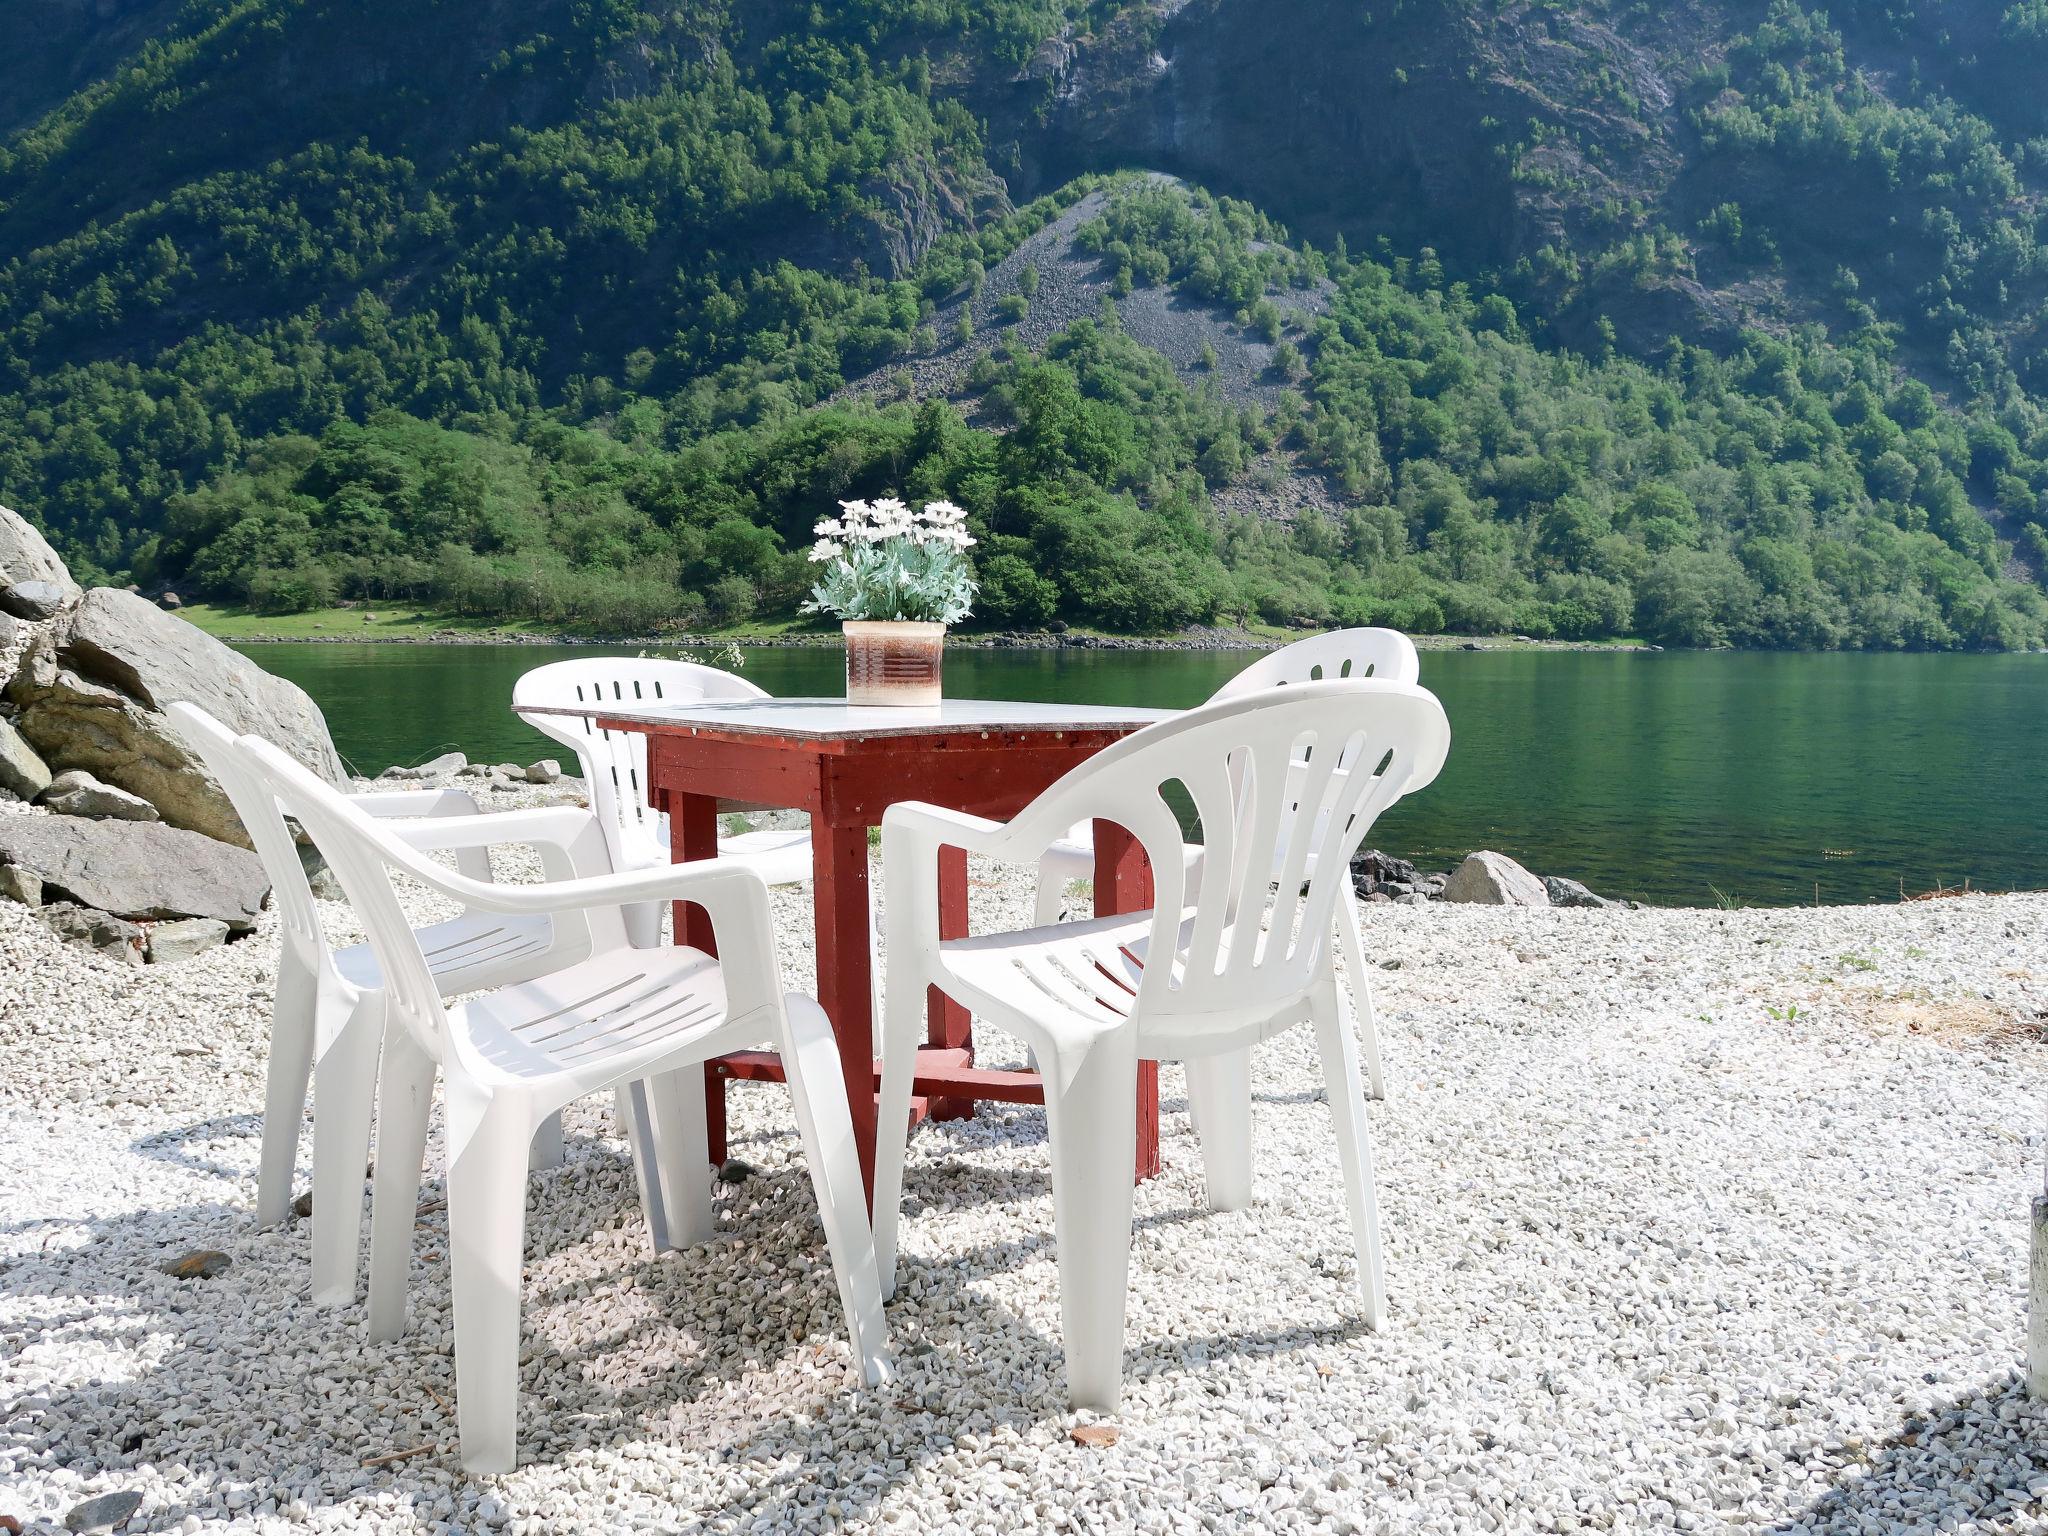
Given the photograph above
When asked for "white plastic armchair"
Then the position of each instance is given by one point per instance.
(511, 1058)
(1237, 948)
(614, 763)
(327, 1019)
(1385, 655)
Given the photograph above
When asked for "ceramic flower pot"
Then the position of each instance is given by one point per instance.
(893, 661)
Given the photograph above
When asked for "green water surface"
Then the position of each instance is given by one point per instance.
(1669, 777)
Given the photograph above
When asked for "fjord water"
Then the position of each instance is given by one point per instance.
(1672, 777)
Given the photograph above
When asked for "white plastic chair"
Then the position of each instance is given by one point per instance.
(614, 763)
(327, 1019)
(1386, 655)
(1231, 954)
(514, 1056)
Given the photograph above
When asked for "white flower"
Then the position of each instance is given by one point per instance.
(828, 527)
(825, 549)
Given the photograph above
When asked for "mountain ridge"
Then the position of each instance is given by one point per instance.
(623, 247)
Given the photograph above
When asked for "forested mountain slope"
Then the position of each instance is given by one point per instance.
(1712, 323)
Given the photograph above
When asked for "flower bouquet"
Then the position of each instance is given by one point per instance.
(896, 577)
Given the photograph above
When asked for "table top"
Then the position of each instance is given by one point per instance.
(828, 720)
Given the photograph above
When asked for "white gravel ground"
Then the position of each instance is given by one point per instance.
(1696, 1221)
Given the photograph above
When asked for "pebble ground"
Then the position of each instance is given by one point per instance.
(1696, 1221)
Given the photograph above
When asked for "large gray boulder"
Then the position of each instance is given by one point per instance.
(25, 555)
(136, 869)
(35, 600)
(22, 770)
(74, 792)
(1495, 880)
(91, 695)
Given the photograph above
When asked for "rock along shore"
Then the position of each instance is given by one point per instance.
(1022, 640)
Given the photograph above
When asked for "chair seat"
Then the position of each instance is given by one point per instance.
(782, 855)
(600, 1017)
(1091, 970)
(478, 942)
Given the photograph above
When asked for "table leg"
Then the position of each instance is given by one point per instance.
(1123, 883)
(693, 834)
(839, 876)
(952, 1026)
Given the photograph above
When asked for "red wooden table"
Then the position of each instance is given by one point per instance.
(845, 766)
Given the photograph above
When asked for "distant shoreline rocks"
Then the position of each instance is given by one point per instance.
(999, 640)
(1483, 878)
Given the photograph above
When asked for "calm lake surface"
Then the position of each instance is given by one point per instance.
(1665, 777)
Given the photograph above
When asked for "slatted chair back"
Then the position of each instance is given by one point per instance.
(1279, 819)
(292, 894)
(1385, 655)
(364, 854)
(615, 762)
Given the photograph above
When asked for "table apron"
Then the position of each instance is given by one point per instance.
(854, 789)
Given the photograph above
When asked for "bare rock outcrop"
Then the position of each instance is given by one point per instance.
(25, 556)
(134, 869)
(91, 692)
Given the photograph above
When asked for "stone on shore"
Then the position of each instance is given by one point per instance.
(433, 768)
(22, 769)
(183, 938)
(546, 771)
(1570, 893)
(93, 690)
(137, 869)
(1495, 880)
(74, 792)
(25, 555)
(102, 1513)
(18, 884)
(112, 936)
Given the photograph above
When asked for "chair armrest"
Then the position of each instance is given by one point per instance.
(396, 804)
(416, 802)
(917, 821)
(570, 841)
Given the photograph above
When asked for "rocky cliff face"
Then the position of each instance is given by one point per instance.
(1487, 133)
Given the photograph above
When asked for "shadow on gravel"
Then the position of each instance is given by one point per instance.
(273, 1403)
(1941, 1471)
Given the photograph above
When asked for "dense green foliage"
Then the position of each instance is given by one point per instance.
(553, 324)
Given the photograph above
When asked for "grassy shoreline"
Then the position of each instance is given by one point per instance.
(404, 625)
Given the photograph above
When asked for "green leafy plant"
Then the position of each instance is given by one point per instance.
(884, 561)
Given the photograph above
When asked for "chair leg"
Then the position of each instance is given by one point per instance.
(344, 1095)
(643, 923)
(487, 1239)
(682, 1155)
(1220, 1099)
(902, 1027)
(284, 1090)
(1093, 1124)
(1354, 1147)
(547, 1144)
(810, 1059)
(1051, 898)
(405, 1099)
(1351, 940)
(636, 1124)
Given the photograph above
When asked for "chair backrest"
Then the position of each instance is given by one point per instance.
(220, 749)
(1277, 841)
(1385, 655)
(615, 762)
